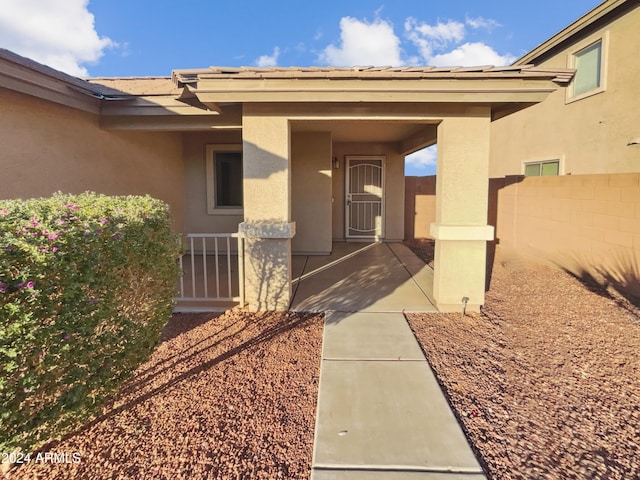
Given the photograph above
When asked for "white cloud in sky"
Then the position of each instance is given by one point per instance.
(472, 54)
(424, 158)
(364, 43)
(439, 44)
(58, 33)
(452, 31)
(269, 60)
(481, 22)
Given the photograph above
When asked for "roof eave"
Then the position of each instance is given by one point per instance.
(584, 22)
(32, 78)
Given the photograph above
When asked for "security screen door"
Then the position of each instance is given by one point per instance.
(364, 208)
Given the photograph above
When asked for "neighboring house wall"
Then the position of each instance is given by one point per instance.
(48, 147)
(394, 187)
(311, 192)
(589, 135)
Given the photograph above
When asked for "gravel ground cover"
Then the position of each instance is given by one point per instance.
(546, 381)
(224, 396)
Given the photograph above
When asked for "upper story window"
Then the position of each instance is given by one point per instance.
(589, 63)
(537, 169)
(224, 179)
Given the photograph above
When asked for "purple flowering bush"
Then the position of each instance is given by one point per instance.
(86, 286)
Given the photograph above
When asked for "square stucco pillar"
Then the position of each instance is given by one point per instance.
(461, 231)
(267, 228)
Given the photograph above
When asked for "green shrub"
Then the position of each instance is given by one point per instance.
(86, 286)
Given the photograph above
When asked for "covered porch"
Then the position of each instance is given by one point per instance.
(271, 154)
(362, 277)
(355, 277)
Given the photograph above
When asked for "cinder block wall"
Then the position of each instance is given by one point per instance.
(585, 223)
(420, 206)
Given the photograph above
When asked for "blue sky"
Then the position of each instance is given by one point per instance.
(151, 37)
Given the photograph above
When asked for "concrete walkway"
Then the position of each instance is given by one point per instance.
(381, 413)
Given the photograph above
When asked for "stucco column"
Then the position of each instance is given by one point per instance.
(267, 227)
(461, 231)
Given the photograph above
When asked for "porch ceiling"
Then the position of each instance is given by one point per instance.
(367, 130)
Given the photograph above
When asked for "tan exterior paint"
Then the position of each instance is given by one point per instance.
(311, 173)
(267, 209)
(420, 206)
(460, 227)
(47, 147)
(147, 136)
(589, 135)
(586, 223)
(196, 218)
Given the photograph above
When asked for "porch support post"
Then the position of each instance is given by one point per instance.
(461, 231)
(267, 227)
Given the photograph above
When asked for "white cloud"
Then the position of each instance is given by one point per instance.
(58, 33)
(451, 31)
(364, 43)
(472, 54)
(428, 38)
(269, 60)
(439, 44)
(424, 158)
(481, 22)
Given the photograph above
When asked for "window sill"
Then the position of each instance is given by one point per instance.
(225, 211)
(588, 94)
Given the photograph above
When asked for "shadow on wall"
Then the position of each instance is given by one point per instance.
(420, 211)
(619, 277)
(267, 273)
(493, 217)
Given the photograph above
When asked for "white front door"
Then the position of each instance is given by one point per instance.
(364, 209)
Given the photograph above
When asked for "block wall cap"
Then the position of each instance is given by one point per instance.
(267, 229)
(462, 232)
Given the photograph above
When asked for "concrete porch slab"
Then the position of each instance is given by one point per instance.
(357, 277)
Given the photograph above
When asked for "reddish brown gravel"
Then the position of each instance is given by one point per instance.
(546, 381)
(229, 396)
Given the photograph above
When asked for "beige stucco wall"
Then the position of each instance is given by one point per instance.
(48, 147)
(311, 192)
(393, 187)
(589, 135)
(196, 218)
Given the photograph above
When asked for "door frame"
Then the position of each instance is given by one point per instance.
(348, 159)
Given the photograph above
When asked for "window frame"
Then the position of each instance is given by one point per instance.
(211, 150)
(557, 160)
(572, 60)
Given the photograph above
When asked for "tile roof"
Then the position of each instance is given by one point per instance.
(191, 76)
(143, 86)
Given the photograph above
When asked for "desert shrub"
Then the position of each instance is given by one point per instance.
(86, 286)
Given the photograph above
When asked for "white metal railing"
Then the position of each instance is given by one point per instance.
(214, 264)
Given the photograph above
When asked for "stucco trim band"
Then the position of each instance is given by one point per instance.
(267, 229)
(462, 232)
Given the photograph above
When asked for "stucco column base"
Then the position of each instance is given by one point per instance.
(460, 266)
(267, 264)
